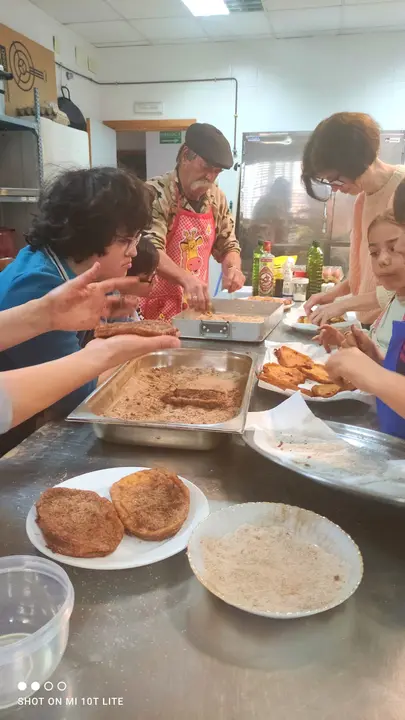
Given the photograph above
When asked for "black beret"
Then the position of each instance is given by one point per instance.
(209, 143)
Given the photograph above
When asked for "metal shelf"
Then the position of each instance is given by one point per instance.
(18, 195)
(7, 122)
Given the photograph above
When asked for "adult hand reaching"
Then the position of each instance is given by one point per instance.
(323, 313)
(317, 299)
(196, 293)
(233, 279)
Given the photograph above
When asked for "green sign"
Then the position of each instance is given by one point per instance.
(170, 138)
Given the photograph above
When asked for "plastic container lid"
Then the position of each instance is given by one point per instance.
(299, 273)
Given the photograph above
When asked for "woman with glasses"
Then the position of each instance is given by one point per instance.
(342, 152)
(86, 216)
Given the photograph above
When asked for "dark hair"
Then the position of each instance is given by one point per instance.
(346, 143)
(82, 211)
(146, 260)
(399, 203)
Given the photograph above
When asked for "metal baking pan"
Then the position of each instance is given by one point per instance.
(191, 437)
(384, 446)
(190, 325)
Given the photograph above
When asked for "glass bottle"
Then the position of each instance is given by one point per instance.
(266, 272)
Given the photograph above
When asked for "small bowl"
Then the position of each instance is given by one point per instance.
(304, 524)
(36, 602)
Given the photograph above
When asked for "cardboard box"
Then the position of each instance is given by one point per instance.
(32, 66)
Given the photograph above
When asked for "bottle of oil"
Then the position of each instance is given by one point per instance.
(266, 272)
(258, 252)
(314, 268)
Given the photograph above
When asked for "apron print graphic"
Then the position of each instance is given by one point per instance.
(190, 257)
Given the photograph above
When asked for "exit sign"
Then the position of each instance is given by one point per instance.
(170, 138)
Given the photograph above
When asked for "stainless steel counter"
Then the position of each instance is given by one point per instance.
(152, 643)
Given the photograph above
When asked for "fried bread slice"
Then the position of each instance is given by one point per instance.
(210, 399)
(290, 358)
(152, 504)
(318, 374)
(326, 391)
(143, 328)
(79, 523)
(277, 376)
(293, 373)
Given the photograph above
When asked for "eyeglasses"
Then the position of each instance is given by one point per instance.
(131, 242)
(330, 183)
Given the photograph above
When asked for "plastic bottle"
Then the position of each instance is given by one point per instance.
(258, 252)
(314, 268)
(266, 272)
(288, 278)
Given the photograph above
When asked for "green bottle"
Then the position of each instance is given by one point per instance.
(314, 268)
(258, 252)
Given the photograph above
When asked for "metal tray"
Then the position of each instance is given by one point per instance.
(386, 446)
(196, 437)
(191, 326)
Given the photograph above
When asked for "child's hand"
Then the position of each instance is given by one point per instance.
(329, 337)
(354, 366)
(364, 343)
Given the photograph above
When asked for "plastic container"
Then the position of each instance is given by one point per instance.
(326, 286)
(300, 285)
(288, 278)
(36, 602)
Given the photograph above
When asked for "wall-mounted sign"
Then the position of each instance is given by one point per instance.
(170, 138)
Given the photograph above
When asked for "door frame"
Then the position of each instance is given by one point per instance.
(148, 125)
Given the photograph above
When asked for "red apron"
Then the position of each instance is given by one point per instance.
(189, 244)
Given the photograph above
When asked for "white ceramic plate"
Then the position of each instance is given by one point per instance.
(307, 525)
(131, 552)
(291, 321)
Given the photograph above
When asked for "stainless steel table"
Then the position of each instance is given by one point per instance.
(152, 643)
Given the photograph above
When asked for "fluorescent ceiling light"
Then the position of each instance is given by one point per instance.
(201, 8)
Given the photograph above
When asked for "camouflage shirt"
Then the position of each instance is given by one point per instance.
(167, 191)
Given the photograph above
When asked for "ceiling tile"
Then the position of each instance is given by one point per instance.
(76, 11)
(299, 4)
(236, 25)
(133, 9)
(169, 29)
(376, 15)
(293, 23)
(106, 32)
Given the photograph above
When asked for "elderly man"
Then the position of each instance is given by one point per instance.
(191, 221)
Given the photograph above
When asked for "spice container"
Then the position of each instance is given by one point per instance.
(300, 285)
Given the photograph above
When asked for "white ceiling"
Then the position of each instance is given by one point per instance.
(151, 22)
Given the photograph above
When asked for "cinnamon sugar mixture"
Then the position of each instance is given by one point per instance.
(270, 569)
(141, 398)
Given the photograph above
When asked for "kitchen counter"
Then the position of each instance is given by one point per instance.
(152, 643)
